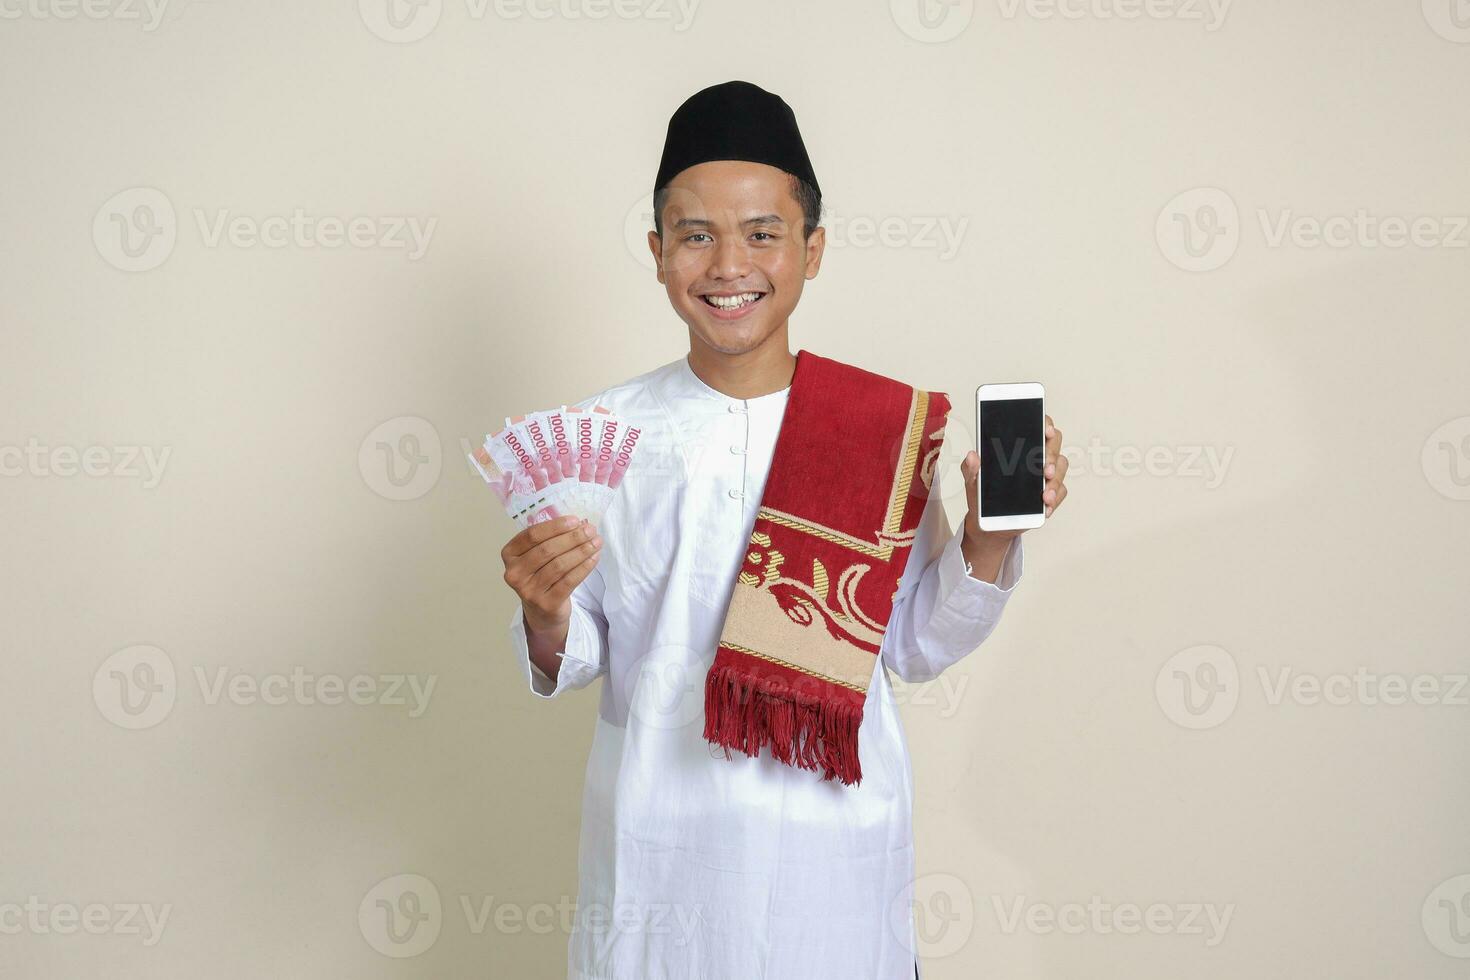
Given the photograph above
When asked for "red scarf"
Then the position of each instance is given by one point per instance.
(851, 473)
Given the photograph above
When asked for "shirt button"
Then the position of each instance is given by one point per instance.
(736, 408)
(736, 494)
(738, 450)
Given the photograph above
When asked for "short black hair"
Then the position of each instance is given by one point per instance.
(806, 195)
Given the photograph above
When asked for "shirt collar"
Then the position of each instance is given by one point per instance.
(689, 383)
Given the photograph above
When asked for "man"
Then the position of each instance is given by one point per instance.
(787, 861)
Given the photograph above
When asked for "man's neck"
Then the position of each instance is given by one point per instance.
(766, 369)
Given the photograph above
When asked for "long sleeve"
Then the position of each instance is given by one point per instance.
(584, 657)
(941, 613)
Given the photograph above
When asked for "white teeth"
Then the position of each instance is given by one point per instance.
(731, 302)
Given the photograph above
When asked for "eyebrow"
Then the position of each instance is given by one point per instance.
(760, 219)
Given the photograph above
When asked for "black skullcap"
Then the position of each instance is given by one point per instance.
(734, 121)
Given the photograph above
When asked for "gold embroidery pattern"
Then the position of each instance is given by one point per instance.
(812, 605)
(796, 667)
(887, 538)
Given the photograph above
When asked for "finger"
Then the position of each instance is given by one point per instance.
(1053, 441)
(1057, 468)
(1061, 495)
(569, 582)
(537, 534)
(537, 558)
(553, 571)
(970, 470)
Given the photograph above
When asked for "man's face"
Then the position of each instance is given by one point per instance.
(732, 256)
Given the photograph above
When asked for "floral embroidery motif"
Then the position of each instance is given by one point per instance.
(806, 603)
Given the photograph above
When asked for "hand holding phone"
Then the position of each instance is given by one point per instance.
(1010, 435)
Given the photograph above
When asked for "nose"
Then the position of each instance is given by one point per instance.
(729, 259)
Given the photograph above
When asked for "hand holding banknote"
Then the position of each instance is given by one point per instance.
(543, 564)
(564, 461)
(556, 473)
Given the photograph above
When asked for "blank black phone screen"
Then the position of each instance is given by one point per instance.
(1012, 457)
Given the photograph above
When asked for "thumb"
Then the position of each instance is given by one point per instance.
(970, 469)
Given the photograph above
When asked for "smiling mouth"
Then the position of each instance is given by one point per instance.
(732, 303)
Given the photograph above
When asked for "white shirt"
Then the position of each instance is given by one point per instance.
(697, 867)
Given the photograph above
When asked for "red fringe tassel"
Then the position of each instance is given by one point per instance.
(746, 713)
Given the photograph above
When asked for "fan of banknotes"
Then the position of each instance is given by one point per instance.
(558, 462)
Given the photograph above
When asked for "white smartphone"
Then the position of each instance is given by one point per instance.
(1010, 436)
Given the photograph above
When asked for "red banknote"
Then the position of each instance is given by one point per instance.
(557, 462)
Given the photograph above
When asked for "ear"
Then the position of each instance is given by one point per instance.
(816, 244)
(655, 245)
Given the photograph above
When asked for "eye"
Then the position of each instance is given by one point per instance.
(764, 236)
(697, 234)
